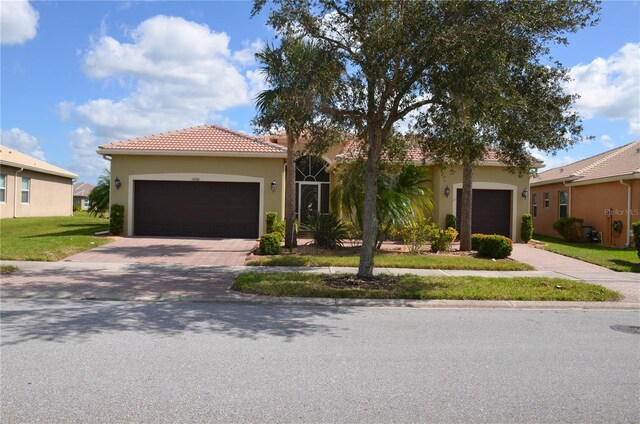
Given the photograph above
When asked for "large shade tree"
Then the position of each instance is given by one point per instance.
(299, 73)
(386, 48)
(494, 90)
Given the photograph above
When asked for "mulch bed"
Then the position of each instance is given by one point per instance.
(353, 282)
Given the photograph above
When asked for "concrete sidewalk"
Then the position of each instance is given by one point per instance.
(154, 282)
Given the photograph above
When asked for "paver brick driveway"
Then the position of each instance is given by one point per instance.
(175, 251)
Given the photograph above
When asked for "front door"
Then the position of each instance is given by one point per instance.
(308, 200)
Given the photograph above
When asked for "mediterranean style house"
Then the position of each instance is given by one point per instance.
(604, 190)
(210, 181)
(81, 195)
(31, 187)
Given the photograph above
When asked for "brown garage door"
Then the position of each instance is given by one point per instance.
(196, 209)
(491, 211)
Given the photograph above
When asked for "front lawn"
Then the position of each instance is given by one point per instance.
(392, 260)
(625, 260)
(417, 287)
(49, 238)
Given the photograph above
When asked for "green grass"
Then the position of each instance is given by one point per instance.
(617, 259)
(7, 269)
(417, 287)
(394, 260)
(49, 238)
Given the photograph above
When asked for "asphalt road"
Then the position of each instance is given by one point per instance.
(86, 362)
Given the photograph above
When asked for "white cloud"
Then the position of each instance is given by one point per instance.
(552, 161)
(18, 22)
(247, 56)
(22, 141)
(609, 88)
(86, 163)
(607, 141)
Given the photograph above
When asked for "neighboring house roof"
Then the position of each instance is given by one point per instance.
(82, 189)
(619, 163)
(209, 139)
(11, 157)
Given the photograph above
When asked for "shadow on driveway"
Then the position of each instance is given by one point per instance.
(69, 321)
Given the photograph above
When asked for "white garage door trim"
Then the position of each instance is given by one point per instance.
(485, 185)
(226, 178)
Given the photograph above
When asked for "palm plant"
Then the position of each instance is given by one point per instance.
(99, 196)
(300, 74)
(402, 196)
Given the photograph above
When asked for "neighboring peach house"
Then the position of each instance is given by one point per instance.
(32, 187)
(81, 195)
(210, 181)
(604, 190)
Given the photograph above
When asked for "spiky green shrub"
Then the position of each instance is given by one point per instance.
(327, 230)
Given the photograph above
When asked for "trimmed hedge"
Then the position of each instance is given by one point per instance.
(450, 221)
(636, 235)
(275, 226)
(270, 244)
(570, 228)
(526, 230)
(492, 246)
(116, 219)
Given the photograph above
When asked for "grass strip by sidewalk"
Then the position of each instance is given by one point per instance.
(394, 260)
(50, 238)
(617, 259)
(302, 284)
(8, 269)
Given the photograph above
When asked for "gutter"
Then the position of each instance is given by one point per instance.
(15, 193)
(628, 212)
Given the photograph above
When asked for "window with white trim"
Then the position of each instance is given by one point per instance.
(534, 201)
(546, 200)
(26, 189)
(563, 201)
(3, 188)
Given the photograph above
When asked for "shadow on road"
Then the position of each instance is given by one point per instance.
(77, 321)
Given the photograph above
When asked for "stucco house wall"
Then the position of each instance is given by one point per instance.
(49, 195)
(546, 216)
(128, 168)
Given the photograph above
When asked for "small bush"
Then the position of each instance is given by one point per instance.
(495, 246)
(327, 230)
(636, 235)
(440, 238)
(570, 228)
(526, 230)
(77, 208)
(272, 218)
(450, 221)
(116, 219)
(415, 236)
(476, 240)
(270, 244)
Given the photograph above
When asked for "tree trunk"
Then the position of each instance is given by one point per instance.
(465, 210)
(290, 237)
(369, 220)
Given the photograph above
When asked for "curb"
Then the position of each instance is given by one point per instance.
(330, 302)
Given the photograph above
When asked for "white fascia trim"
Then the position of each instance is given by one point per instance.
(282, 155)
(193, 177)
(485, 185)
(606, 180)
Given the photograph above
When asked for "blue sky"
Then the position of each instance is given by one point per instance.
(77, 74)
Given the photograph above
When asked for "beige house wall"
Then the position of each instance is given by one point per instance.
(49, 195)
(484, 177)
(543, 222)
(128, 168)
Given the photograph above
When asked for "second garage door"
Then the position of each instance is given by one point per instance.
(196, 209)
(491, 211)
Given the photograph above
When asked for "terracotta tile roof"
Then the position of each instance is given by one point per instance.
(82, 189)
(623, 161)
(11, 157)
(204, 138)
(353, 148)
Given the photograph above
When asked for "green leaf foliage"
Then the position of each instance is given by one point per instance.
(569, 228)
(116, 219)
(99, 196)
(270, 243)
(495, 246)
(326, 230)
(526, 228)
(636, 235)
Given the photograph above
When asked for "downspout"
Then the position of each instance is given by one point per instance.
(15, 193)
(628, 212)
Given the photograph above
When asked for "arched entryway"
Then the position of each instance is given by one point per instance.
(312, 187)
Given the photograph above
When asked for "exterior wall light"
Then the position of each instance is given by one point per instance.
(447, 191)
(274, 184)
(525, 193)
(117, 183)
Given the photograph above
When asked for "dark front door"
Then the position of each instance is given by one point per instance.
(196, 209)
(308, 200)
(491, 211)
